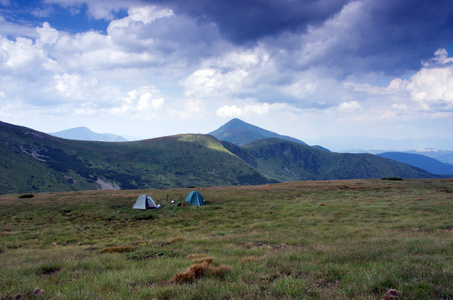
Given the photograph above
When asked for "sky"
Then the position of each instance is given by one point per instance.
(340, 72)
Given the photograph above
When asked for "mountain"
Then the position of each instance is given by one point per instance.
(240, 133)
(288, 161)
(445, 156)
(420, 161)
(85, 134)
(32, 161)
(354, 144)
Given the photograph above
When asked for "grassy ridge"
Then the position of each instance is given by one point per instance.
(325, 240)
(32, 161)
(36, 162)
(289, 161)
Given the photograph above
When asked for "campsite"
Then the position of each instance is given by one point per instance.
(353, 239)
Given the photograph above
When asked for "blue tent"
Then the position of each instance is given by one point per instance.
(195, 198)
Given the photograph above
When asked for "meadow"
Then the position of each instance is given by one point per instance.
(351, 239)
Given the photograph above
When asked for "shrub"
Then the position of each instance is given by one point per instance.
(48, 269)
(118, 249)
(26, 196)
(391, 178)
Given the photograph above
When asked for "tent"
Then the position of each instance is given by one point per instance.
(145, 202)
(195, 198)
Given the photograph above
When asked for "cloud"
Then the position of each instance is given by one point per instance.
(23, 57)
(245, 21)
(427, 94)
(432, 87)
(351, 106)
(74, 86)
(143, 103)
(253, 110)
(47, 34)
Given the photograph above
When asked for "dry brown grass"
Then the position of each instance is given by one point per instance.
(192, 256)
(177, 239)
(208, 260)
(248, 259)
(200, 269)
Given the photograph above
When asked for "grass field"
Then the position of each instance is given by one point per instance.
(355, 239)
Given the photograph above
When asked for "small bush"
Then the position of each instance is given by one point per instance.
(143, 217)
(118, 249)
(26, 196)
(48, 269)
(391, 178)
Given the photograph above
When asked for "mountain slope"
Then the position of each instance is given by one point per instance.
(240, 133)
(32, 161)
(287, 161)
(420, 161)
(85, 134)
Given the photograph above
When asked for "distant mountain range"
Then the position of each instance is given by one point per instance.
(32, 161)
(85, 134)
(421, 161)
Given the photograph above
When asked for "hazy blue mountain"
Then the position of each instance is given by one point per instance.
(364, 144)
(85, 134)
(240, 133)
(420, 161)
(445, 156)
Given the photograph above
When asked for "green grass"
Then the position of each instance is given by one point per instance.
(353, 239)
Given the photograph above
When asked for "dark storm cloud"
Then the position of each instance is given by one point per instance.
(396, 35)
(244, 21)
(390, 36)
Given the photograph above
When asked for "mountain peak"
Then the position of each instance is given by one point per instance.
(239, 133)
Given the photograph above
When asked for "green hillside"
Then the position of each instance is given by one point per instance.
(32, 161)
(289, 161)
(36, 162)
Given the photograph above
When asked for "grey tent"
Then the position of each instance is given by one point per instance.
(145, 202)
(195, 198)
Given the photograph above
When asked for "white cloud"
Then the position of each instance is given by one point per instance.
(351, 106)
(74, 86)
(144, 14)
(47, 34)
(229, 111)
(142, 103)
(432, 88)
(254, 109)
(234, 73)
